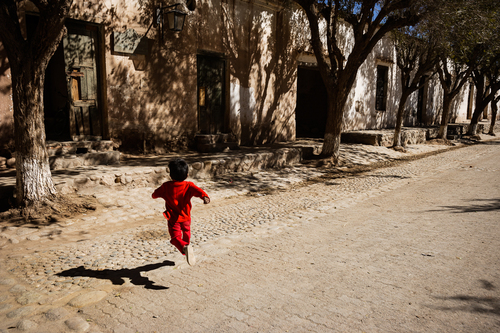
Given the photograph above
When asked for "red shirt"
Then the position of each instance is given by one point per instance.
(177, 196)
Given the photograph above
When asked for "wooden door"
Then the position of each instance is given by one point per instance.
(211, 94)
(80, 50)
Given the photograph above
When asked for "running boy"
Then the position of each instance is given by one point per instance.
(177, 194)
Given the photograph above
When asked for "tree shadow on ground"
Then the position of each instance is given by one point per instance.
(489, 143)
(357, 155)
(482, 205)
(117, 276)
(473, 304)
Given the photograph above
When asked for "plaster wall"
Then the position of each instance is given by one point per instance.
(360, 112)
(262, 72)
(152, 99)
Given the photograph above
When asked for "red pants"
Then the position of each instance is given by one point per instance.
(180, 234)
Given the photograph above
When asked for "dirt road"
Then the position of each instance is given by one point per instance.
(418, 254)
(410, 248)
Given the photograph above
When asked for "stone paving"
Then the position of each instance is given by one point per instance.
(43, 287)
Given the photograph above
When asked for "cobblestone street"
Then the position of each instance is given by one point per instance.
(258, 270)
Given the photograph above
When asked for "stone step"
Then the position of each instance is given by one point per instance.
(68, 161)
(410, 136)
(55, 148)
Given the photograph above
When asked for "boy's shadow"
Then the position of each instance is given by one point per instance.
(116, 276)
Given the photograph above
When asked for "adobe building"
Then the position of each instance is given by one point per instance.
(239, 72)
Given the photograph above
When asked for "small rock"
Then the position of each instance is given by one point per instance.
(33, 237)
(21, 312)
(81, 180)
(11, 162)
(17, 289)
(196, 165)
(77, 324)
(25, 325)
(7, 281)
(5, 306)
(56, 314)
(88, 298)
(28, 297)
(14, 241)
(107, 180)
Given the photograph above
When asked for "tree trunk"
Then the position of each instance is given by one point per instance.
(494, 111)
(33, 177)
(333, 128)
(475, 118)
(480, 87)
(445, 117)
(399, 119)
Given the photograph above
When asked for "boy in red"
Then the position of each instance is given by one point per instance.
(177, 194)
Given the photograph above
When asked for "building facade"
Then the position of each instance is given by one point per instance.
(242, 68)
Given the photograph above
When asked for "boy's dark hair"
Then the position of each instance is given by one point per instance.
(178, 169)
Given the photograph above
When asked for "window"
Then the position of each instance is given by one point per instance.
(381, 92)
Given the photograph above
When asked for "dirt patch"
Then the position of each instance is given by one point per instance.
(52, 211)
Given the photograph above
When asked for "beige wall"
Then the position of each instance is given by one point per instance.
(159, 103)
(360, 112)
(152, 99)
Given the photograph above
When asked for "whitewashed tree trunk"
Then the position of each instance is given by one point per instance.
(33, 176)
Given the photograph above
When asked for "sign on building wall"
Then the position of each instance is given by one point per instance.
(130, 43)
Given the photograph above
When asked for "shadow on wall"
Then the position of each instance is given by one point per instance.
(434, 106)
(360, 107)
(263, 69)
(459, 100)
(149, 96)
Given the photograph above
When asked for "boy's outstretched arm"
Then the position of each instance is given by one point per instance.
(157, 193)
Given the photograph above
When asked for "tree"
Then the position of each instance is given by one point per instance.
(494, 112)
(369, 21)
(452, 76)
(416, 56)
(486, 77)
(28, 59)
(465, 27)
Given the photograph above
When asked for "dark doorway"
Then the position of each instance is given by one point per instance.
(72, 108)
(211, 94)
(312, 104)
(56, 102)
(422, 100)
(381, 92)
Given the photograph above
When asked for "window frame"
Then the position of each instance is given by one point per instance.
(381, 93)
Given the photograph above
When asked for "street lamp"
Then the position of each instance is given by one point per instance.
(175, 19)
